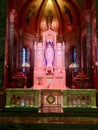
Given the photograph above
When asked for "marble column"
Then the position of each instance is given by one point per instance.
(11, 41)
(35, 55)
(97, 55)
(20, 47)
(88, 43)
(63, 47)
(97, 36)
(94, 42)
(79, 55)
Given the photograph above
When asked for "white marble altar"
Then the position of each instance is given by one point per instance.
(49, 62)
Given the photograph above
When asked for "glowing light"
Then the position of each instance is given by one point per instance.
(49, 3)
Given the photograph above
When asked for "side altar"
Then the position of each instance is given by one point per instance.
(49, 59)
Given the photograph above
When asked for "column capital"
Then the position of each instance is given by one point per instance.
(87, 15)
(12, 14)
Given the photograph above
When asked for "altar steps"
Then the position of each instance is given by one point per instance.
(71, 119)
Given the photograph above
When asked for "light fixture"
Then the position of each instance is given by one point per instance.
(73, 66)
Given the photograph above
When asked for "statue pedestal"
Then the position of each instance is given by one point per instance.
(50, 82)
(20, 80)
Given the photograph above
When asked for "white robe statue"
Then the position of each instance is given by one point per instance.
(49, 55)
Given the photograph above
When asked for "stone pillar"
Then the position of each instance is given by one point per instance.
(11, 40)
(97, 36)
(79, 55)
(97, 55)
(32, 53)
(63, 55)
(39, 58)
(20, 56)
(35, 53)
(94, 41)
(88, 43)
(59, 56)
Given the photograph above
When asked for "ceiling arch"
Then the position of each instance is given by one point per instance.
(64, 16)
(65, 12)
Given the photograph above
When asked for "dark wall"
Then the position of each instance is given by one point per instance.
(2, 38)
(97, 15)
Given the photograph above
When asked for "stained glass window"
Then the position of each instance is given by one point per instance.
(24, 53)
(74, 59)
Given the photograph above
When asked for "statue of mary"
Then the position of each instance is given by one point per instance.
(49, 55)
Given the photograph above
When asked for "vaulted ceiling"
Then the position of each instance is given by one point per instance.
(64, 16)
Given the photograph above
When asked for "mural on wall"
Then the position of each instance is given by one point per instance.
(31, 13)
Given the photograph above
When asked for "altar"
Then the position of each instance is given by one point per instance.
(49, 62)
